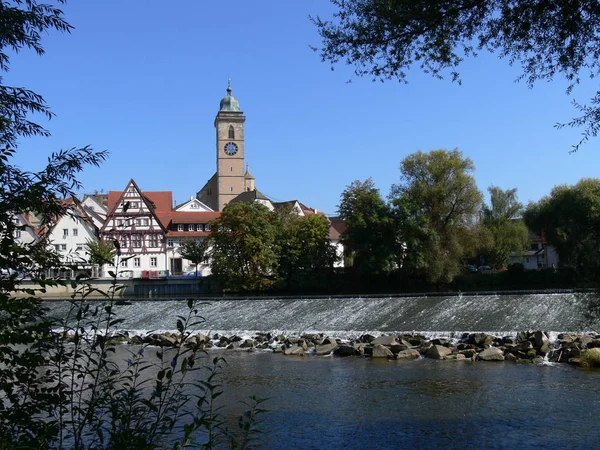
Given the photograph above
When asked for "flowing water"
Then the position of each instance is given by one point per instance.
(359, 403)
(342, 317)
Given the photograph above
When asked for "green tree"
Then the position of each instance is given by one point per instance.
(370, 236)
(305, 253)
(101, 252)
(436, 204)
(29, 406)
(502, 220)
(569, 219)
(384, 39)
(242, 240)
(194, 250)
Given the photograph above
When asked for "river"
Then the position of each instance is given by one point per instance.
(360, 403)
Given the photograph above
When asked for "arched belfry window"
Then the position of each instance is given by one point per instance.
(231, 132)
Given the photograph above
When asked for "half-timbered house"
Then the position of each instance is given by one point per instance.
(148, 231)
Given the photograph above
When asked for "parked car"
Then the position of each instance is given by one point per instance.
(484, 268)
(470, 268)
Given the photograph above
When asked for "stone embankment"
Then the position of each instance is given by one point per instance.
(524, 347)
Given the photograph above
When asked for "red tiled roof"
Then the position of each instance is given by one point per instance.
(194, 216)
(171, 233)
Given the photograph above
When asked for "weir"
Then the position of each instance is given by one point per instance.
(447, 315)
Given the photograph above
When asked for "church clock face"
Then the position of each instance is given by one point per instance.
(230, 148)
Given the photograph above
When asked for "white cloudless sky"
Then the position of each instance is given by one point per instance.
(144, 80)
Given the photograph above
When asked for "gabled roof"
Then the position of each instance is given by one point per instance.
(158, 203)
(193, 200)
(337, 227)
(194, 216)
(250, 196)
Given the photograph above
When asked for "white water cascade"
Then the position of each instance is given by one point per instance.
(441, 316)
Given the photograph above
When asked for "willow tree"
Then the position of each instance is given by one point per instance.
(437, 203)
(386, 39)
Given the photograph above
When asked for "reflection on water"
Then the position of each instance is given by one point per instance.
(356, 403)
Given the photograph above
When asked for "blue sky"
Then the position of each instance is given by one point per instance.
(144, 80)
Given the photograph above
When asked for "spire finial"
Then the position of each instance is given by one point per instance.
(229, 86)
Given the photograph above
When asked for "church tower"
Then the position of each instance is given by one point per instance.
(229, 125)
(232, 177)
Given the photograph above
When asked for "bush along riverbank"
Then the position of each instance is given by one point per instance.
(526, 347)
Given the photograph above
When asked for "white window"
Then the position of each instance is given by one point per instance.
(65, 232)
(63, 247)
(79, 247)
(123, 263)
(180, 227)
(119, 223)
(145, 222)
(170, 243)
(194, 206)
(153, 261)
(18, 234)
(192, 227)
(136, 262)
(57, 247)
(75, 232)
(153, 241)
(136, 240)
(124, 243)
(207, 227)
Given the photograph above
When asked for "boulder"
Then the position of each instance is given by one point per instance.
(361, 347)
(468, 352)
(294, 350)
(491, 354)
(330, 340)
(438, 352)
(381, 351)
(345, 350)
(540, 339)
(247, 343)
(410, 353)
(325, 349)
(415, 340)
(481, 339)
(368, 338)
(385, 340)
(397, 347)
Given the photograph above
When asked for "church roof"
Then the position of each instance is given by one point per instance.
(250, 196)
(229, 103)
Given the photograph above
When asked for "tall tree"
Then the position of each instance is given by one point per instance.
(385, 39)
(569, 219)
(369, 237)
(305, 253)
(194, 250)
(437, 202)
(508, 232)
(242, 240)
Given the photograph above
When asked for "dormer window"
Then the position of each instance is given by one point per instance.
(231, 132)
(180, 227)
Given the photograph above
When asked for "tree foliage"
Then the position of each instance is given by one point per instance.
(502, 220)
(436, 206)
(305, 254)
(101, 252)
(384, 39)
(569, 219)
(243, 255)
(370, 234)
(194, 250)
